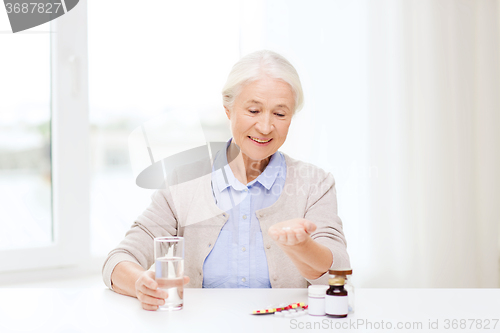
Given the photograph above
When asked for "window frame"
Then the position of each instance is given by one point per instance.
(70, 158)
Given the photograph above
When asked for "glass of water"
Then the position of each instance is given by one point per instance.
(169, 269)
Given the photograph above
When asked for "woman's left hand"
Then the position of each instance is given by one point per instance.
(292, 232)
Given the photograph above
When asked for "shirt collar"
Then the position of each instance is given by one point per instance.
(227, 178)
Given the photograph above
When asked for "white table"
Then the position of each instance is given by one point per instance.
(228, 310)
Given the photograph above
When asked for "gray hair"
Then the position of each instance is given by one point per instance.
(256, 65)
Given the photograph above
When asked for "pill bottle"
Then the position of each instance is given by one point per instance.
(316, 299)
(348, 284)
(336, 300)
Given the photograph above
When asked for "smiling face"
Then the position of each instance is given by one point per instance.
(260, 117)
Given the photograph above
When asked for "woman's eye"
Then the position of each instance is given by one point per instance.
(280, 114)
(254, 111)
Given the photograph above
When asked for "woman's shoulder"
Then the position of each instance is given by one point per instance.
(187, 179)
(306, 172)
(192, 172)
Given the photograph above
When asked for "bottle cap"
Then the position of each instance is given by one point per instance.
(340, 271)
(317, 290)
(336, 281)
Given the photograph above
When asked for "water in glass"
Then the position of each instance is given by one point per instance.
(170, 276)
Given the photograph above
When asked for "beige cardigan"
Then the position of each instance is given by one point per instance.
(189, 210)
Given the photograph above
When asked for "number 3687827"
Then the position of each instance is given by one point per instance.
(33, 7)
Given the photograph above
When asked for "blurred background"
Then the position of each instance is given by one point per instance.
(402, 106)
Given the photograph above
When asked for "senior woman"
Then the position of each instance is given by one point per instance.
(262, 220)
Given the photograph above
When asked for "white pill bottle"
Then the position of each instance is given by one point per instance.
(316, 299)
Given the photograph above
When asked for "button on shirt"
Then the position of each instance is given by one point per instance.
(238, 259)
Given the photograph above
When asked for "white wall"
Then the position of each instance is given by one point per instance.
(401, 105)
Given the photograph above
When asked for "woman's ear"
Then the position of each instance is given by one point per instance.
(228, 113)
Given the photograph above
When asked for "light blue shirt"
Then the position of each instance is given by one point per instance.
(238, 259)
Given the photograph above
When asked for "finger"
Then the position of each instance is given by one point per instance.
(149, 307)
(186, 279)
(273, 233)
(158, 293)
(309, 226)
(146, 299)
(291, 237)
(301, 235)
(149, 280)
(282, 238)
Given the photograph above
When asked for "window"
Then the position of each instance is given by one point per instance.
(43, 159)
(25, 165)
(140, 71)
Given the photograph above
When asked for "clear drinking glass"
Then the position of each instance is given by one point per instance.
(169, 270)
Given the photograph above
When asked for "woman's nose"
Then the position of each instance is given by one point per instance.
(265, 124)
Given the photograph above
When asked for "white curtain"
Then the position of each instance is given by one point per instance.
(434, 134)
(402, 106)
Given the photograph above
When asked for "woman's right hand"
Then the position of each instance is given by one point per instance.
(148, 293)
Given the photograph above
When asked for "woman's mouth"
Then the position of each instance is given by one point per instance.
(259, 140)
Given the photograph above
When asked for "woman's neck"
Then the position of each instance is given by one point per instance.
(244, 168)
